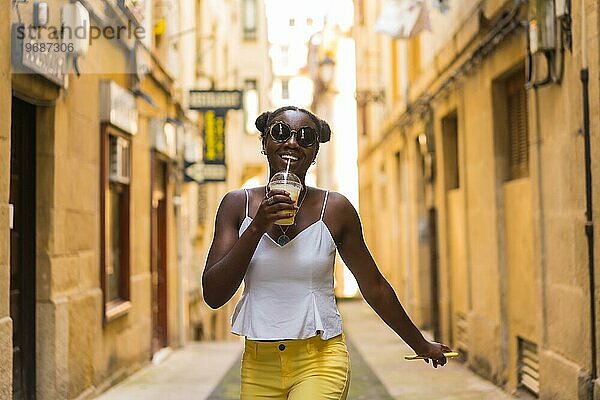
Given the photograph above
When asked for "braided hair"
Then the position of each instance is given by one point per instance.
(265, 119)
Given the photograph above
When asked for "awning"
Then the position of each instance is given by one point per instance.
(403, 19)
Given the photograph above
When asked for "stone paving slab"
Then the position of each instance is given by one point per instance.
(364, 384)
(211, 370)
(188, 373)
(384, 351)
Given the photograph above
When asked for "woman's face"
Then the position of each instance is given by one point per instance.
(301, 157)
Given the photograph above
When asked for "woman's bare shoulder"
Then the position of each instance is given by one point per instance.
(236, 199)
(339, 207)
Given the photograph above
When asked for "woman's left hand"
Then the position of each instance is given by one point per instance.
(435, 352)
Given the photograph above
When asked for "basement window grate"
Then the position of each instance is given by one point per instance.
(529, 367)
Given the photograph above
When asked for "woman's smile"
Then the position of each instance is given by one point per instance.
(293, 158)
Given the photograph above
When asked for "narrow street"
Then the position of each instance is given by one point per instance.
(210, 370)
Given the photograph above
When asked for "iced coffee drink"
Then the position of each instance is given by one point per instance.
(290, 183)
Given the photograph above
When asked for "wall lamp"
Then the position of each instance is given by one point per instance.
(326, 70)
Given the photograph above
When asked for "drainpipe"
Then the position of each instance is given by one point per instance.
(589, 224)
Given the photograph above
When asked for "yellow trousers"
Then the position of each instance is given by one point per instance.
(299, 369)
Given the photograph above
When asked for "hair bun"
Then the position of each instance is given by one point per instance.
(261, 121)
(325, 133)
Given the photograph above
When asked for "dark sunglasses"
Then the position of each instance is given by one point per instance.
(305, 136)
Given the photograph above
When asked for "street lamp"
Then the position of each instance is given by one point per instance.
(326, 71)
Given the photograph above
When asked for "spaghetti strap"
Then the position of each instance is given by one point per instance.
(246, 190)
(324, 204)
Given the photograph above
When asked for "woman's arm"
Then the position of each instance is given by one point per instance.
(374, 287)
(229, 256)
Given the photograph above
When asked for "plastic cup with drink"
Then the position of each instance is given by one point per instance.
(289, 182)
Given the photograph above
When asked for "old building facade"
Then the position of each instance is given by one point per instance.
(231, 56)
(93, 171)
(473, 183)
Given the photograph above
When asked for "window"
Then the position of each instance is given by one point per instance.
(285, 55)
(251, 104)
(250, 16)
(450, 143)
(518, 135)
(360, 11)
(384, 189)
(115, 190)
(414, 58)
(285, 88)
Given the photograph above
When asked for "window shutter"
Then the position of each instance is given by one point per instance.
(517, 126)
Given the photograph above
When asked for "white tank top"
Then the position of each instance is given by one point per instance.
(288, 290)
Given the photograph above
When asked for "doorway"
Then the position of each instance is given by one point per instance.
(22, 248)
(159, 253)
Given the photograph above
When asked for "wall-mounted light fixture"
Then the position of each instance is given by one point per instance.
(326, 70)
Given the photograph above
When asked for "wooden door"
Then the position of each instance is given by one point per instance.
(22, 248)
(159, 254)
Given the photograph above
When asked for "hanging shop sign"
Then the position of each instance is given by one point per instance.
(200, 173)
(164, 136)
(205, 100)
(44, 57)
(117, 106)
(213, 136)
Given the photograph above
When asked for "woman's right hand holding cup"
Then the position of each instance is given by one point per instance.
(277, 204)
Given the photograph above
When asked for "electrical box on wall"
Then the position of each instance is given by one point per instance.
(75, 22)
(542, 25)
(40, 14)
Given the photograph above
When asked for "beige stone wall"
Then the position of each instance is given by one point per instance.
(5, 105)
(513, 254)
(78, 355)
(230, 60)
(564, 270)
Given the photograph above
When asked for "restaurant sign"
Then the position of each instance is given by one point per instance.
(205, 100)
(214, 144)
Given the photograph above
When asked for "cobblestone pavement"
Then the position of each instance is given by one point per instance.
(210, 371)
